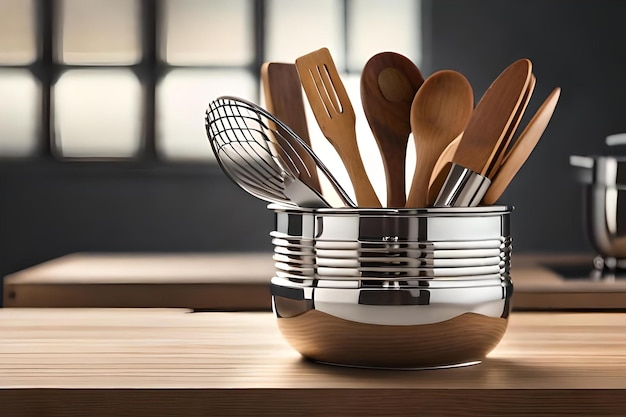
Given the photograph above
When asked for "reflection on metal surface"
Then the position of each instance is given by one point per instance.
(430, 285)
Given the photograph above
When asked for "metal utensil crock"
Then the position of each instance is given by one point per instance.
(392, 288)
(604, 181)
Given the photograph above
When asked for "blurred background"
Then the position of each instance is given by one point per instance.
(102, 142)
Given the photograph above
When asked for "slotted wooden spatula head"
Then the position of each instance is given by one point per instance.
(335, 115)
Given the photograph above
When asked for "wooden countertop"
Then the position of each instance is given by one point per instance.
(240, 282)
(160, 362)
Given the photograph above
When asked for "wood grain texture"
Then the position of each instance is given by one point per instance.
(504, 146)
(98, 362)
(335, 115)
(389, 82)
(283, 98)
(439, 113)
(441, 169)
(522, 148)
(205, 281)
(492, 118)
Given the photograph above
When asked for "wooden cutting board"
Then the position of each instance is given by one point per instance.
(103, 362)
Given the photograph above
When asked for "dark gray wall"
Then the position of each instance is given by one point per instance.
(51, 209)
(579, 46)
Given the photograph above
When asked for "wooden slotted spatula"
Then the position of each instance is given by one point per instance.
(482, 139)
(522, 148)
(335, 115)
(283, 98)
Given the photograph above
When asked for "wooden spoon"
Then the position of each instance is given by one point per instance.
(388, 85)
(439, 113)
(335, 115)
(522, 148)
(283, 98)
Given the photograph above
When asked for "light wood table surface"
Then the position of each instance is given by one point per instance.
(203, 281)
(162, 362)
(240, 282)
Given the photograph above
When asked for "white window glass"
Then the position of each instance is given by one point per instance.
(204, 32)
(101, 32)
(383, 25)
(97, 113)
(19, 113)
(297, 27)
(17, 32)
(182, 98)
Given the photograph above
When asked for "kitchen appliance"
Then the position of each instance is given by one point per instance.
(604, 190)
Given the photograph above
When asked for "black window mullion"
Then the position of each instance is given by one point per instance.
(149, 70)
(45, 70)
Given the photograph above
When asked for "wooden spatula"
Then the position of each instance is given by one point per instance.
(522, 148)
(492, 117)
(335, 115)
(283, 98)
(517, 118)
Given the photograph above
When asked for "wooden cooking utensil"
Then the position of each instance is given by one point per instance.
(522, 148)
(283, 98)
(492, 117)
(335, 115)
(439, 113)
(443, 163)
(389, 82)
(517, 118)
(440, 171)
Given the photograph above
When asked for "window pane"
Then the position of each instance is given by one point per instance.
(297, 27)
(383, 25)
(17, 32)
(98, 113)
(182, 98)
(203, 32)
(104, 32)
(19, 110)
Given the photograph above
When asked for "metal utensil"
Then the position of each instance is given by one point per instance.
(335, 115)
(283, 99)
(439, 113)
(389, 82)
(482, 139)
(522, 148)
(246, 140)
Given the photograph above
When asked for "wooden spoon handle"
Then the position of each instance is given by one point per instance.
(440, 171)
(522, 148)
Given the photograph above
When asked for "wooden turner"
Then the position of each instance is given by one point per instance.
(483, 138)
(335, 115)
(492, 117)
(522, 148)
